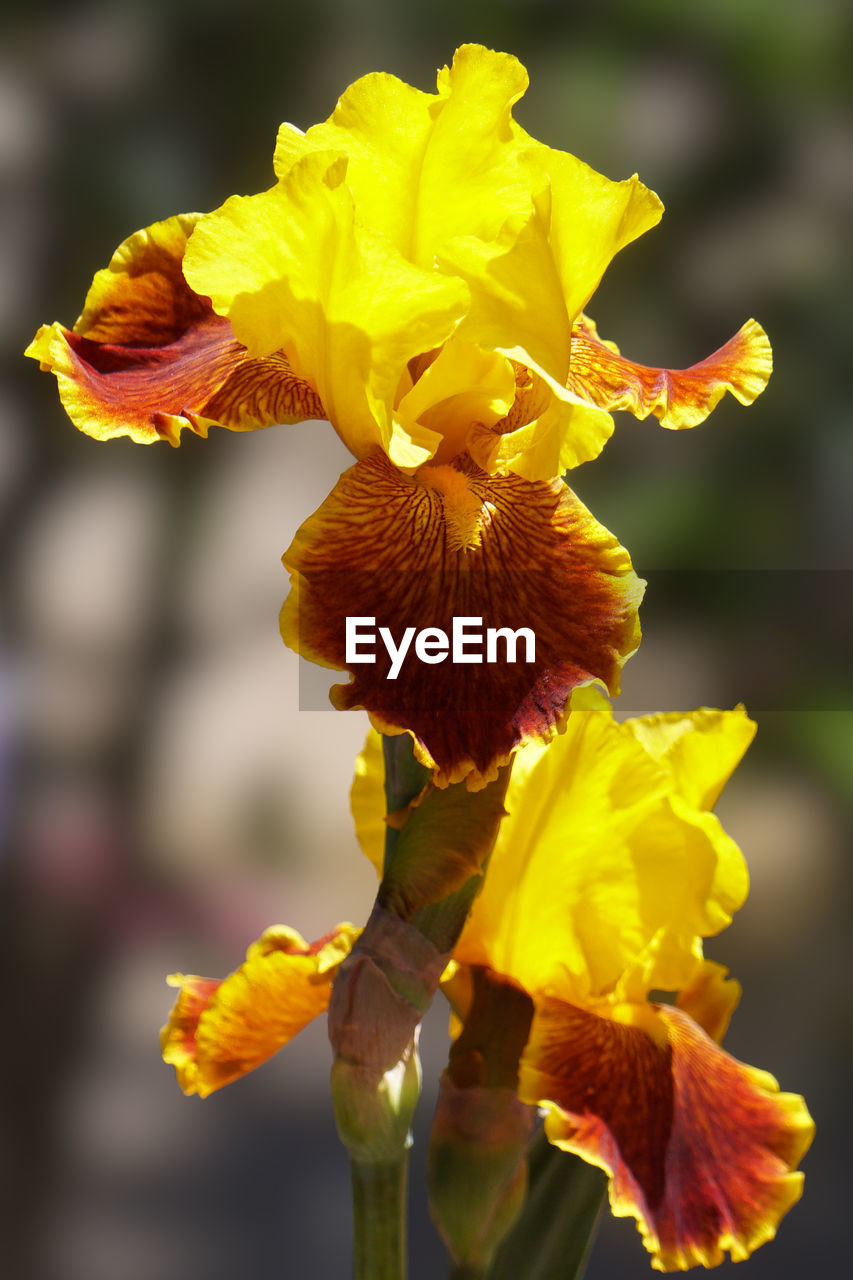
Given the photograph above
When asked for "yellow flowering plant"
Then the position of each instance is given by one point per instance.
(418, 276)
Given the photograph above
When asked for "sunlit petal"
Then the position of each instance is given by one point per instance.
(700, 749)
(367, 800)
(293, 270)
(710, 998)
(425, 168)
(602, 874)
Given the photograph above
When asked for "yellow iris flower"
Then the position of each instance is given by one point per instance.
(418, 276)
(607, 874)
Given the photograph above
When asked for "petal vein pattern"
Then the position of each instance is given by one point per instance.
(700, 1148)
(455, 542)
(678, 398)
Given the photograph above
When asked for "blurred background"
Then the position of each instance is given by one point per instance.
(163, 797)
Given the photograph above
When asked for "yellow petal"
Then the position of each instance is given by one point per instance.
(218, 1031)
(367, 800)
(292, 270)
(529, 282)
(591, 219)
(556, 431)
(699, 1148)
(462, 386)
(517, 298)
(700, 749)
(425, 168)
(710, 998)
(602, 874)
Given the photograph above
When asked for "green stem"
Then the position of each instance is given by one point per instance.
(379, 1219)
(465, 1271)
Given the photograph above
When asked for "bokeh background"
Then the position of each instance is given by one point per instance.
(163, 796)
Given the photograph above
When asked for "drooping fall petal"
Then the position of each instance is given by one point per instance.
(700, 1148)
(148, 357)
(677, 397)
(220, 1030)
(453, 542)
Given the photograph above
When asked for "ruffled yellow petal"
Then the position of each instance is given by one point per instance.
(292, 270)
(453, 542)
(700, 749)
(451, 179)
(602, 875)
(220, 1030)
(677, 397)
(591, 219)
(530, 282)
(699, 1148)
(425, 168)
(148, 357)
(517, 300)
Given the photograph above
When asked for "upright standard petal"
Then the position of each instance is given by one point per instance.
(700, 749)
(603, 876)
(530, 282)
(677, 397)
(699, 1148)
(450, 178)
(591, 219)
(148, 357)
(220, 1030)
(293, 270)
(426, 168)
(454, 548)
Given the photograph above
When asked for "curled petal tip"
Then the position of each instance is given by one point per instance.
(678, 398)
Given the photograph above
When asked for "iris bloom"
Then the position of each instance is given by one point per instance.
(607, 874)
(418, 276)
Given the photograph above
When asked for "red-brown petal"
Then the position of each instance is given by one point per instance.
(453, 541)
(677, 397)
(700, 1148)
(148, 357)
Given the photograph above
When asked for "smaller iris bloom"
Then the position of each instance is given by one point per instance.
(418, 275)
(607, 874)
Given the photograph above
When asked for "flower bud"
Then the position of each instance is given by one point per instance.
(378, 999)
(476, 1167)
